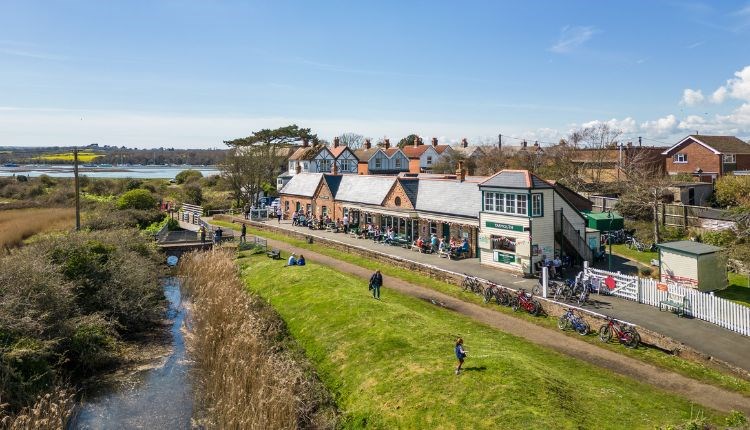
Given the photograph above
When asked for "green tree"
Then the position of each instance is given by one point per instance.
(136, 199)
(193, 194)
(291, 134)
(408, 140)
(733, 191)
(188, 176)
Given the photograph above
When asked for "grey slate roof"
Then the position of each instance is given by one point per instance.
(302, 184)
(690, 247)
(515, 179)
(411, 188)
(333, 182)
(366, 189)
(449, 197)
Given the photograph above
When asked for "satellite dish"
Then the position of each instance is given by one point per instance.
(172, 260)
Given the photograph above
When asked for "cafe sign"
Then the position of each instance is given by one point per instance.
(502, 257)
(503, 226)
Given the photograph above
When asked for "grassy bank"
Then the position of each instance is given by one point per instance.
(390, 363)
(653, 356)
(20, 224)
(244, 355)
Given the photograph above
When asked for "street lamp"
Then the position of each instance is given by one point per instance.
(609, 239)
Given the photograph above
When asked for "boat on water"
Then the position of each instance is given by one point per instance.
(10, 165)
(105, 165)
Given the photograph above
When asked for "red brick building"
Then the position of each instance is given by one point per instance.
(707, 157)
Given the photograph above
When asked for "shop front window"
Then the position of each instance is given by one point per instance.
(503, 243)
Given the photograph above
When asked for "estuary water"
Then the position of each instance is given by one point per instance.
(140, 172)
(158, 398)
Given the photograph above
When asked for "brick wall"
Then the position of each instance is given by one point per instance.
(414, 166)
(743, 161)
(699, 157)
(397, 192)
(323, 197)
(293, 200)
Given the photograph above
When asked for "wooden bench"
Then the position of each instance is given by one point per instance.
(444, 253)
(274, 253)
(675, 302)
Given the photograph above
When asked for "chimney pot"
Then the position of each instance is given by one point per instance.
(336, 142)
(434, 141)
(368, 144)
(416, 141)
(460, 171)
(464, 142)
(387, 143)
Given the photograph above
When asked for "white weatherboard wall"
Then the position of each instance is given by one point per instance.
(543, 228)
(512, 224)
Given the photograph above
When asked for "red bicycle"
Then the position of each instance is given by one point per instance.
(527, 302)
(626, 335)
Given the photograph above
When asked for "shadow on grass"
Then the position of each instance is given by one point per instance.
(474, 368)
(736, 293)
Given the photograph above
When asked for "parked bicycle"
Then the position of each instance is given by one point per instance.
(471, 283)
(625, 334)
(500, 295)
(634, 243)
(576, 322)
(525, 301)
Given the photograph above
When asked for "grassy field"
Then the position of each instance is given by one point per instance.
(83, 157)
(390, 363)
(20, 224)
(633, 254)
(653, 356)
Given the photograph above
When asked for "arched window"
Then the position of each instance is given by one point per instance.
(397, 201)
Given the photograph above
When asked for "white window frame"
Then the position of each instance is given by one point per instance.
(305, 166)
(378, 163)
(680, 158)
(730, 158)
(397, 162)
(522, 207)
(429, 160)
(510, 204)
(537, 205)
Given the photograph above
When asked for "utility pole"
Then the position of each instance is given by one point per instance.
(499, 141)
(78, 189)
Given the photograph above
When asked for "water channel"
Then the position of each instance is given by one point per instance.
(158, 398)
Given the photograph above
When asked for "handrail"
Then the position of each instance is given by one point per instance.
(572, 235)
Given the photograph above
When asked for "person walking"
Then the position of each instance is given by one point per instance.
(376, 281)
(202, 233)
(460, 354)
(278, 214)
(346, 224)
(217, 235)
(243, 233)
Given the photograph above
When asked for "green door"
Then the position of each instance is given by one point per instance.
(446, 230)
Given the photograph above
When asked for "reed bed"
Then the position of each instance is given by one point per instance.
(249, 372)
(20, 224)
(52, 411)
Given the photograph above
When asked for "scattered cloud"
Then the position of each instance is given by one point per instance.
(719, 95)
(572, 37)
(691, 97)
(661, 127)
(695, 44)
(737, 87)
(627, 125)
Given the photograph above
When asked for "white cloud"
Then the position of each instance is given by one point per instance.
(737, 87)
(719, 95)
(691, 97)
(627, 125)
(661, 127)
(571, 38)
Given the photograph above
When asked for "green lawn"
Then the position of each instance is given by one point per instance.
(633, 254)
(390, 363)
(653, 356)
(738, 290)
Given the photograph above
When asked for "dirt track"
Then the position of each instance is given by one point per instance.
(698, 392)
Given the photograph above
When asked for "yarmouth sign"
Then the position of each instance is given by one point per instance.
(503, 226)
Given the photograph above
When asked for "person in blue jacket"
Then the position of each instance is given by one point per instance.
(301, 260)
(460, 354)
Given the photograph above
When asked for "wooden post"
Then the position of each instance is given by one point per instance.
(77, 187)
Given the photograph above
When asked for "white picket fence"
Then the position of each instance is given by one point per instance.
(708, 307)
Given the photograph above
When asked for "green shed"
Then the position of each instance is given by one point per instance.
(693, 264)
(603, 222)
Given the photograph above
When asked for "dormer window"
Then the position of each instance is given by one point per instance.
(680, 158)
(730, 158)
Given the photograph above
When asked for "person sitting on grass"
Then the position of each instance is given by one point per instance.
(301, 260)
(292, 260)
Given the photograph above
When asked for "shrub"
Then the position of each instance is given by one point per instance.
(22, 178)
(47, 181)
(187, 176)
(132, 184)
(136, 199)
(93, 343)
(193, 194)
(719, 238)
(732, 190)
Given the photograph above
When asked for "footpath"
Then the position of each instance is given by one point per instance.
(709, 339)
(698, 392)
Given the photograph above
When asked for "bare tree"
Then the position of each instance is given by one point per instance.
(595, 149)
(493, 161)
(352, 140)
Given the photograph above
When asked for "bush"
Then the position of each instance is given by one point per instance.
(47, 180)
(187, 176)
(93, 344)
(132, 184)
(193, 194)
(136, 199)
(732, 190)
(22, 178)
(719, 238)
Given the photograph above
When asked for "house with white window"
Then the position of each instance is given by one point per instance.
(381, 161)
(423, 157)
(319, 159)
(707, 157)
(523, 219)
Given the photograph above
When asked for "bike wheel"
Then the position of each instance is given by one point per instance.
(583, 328)
(563, 323)
(504, 298)
(514, 304)
(537, 290)
(631, 338)
(605, 333)
(536, 308)
(488, 295)
(567, 293)
(466, 285)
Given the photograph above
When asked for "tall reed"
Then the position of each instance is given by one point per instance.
(249, 372)
(51, 411)
(19, 224)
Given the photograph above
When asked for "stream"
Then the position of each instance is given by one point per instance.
(157, 398)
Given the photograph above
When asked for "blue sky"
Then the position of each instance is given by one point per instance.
(195, 73)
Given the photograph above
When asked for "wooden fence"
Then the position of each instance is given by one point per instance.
(704, 306)
(677, 215)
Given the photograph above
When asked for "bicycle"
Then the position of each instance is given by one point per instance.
(526, 301)
(626, 335)
(499, 294)
(584, 292)
(571, 320)
(471, 283)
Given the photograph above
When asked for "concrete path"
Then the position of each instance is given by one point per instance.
(702, 336)
(704, 394)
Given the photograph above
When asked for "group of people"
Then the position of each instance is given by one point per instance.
(554, 265)
(294, 261)
(435, 244)
(305, 219)
(218, 234)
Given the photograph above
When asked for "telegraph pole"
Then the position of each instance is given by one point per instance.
(78, 190)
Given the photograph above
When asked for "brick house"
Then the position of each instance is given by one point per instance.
(707, 157)
(319, 159)
(423, 157)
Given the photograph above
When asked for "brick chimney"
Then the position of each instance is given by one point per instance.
(416, 141)
(523, 144)
(387, 143)
(434, 141)
(368, 144)
(464, 143)
(305, 143)
(336, 142)
(460, 171)
(298, 169)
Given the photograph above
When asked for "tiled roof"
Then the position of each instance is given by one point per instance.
(306, 153)
(412, 151)
(364, 155)
(449, 197)
(724, 144)
(366, 189)
(336, 151)
(390, 152)
(469, 151)
(441, 148)
(333, 182)
(302, 184)
(515, 179)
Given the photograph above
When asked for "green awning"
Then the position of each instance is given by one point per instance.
(603, 221)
